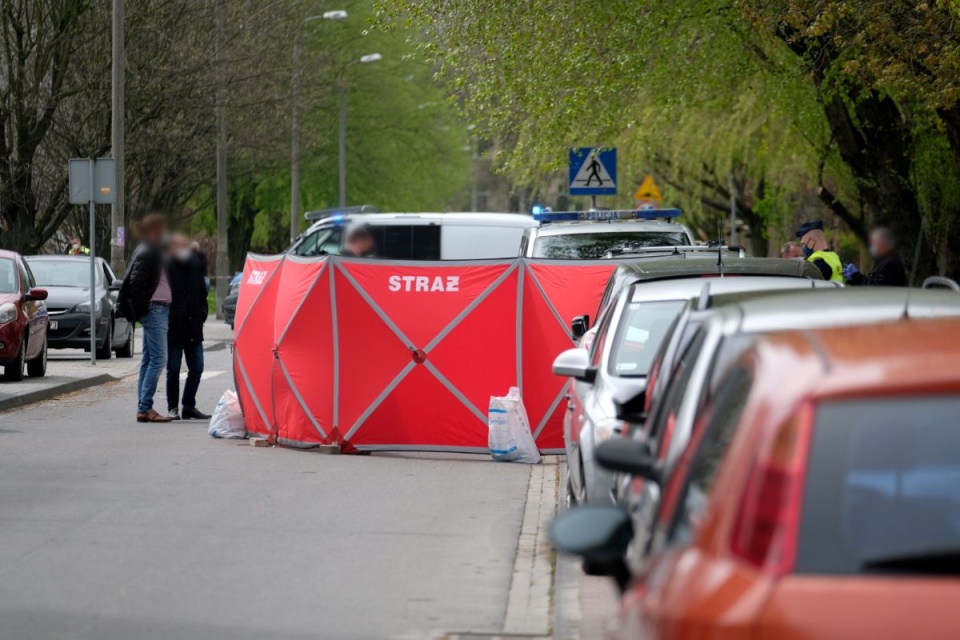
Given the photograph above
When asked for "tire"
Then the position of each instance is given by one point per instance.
(37, 368)
(126, 351)
(13, 372)
(106, 351)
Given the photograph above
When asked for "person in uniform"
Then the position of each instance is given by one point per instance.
(817, 251)
(76, 248)
(888, 269)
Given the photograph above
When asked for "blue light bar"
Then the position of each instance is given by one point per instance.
(630, 214)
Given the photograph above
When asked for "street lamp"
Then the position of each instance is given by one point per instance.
(295, 133)
(342, 138)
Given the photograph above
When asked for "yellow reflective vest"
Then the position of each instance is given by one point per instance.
(831, 259)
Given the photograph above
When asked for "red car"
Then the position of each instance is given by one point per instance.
(818, 498)
(23, 320)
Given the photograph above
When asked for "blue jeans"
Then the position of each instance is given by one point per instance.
(193, 354)
(154, 354)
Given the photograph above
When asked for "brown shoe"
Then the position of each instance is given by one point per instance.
(152, 416)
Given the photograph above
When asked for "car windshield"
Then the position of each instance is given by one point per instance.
(643, 327)
(8, 276)
(595, 246)
(62, 273)
(883, 486)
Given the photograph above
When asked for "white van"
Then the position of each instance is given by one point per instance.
(420, 236)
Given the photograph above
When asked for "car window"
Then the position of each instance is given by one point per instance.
(699, 463)
(607, 294)
(63, 273)
(24, 277)
(330, 244)
(595, 246)
(882, 488)
(32, 281)
(319, 243)
(8, 276)
(596, 349)
(107, 274)
(664, 414)
(643, 326)
(408, 242)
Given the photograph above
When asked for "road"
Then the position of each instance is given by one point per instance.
(113, 529)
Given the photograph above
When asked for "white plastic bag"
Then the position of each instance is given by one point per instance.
(509, 438)
(227, 419)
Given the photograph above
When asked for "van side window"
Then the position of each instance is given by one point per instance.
(309, 245)
(408, 242)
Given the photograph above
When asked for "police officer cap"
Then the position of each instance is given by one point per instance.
(807, 227)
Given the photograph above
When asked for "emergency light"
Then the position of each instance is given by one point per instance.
(582, 216)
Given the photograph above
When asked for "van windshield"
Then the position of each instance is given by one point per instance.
(596, 246)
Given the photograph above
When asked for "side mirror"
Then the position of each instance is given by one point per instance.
(629, 456)
(629, 403)
(575, 363)
(116, 284)
(598, 534)
(579, 326)
(36, 294)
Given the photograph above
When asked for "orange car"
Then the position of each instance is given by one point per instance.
(818, 498)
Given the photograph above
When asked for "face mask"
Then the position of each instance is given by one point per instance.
(76, 245)
(807, 251)
(184, 254)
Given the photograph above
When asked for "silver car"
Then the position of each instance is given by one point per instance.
(725, 333)
(628, 334)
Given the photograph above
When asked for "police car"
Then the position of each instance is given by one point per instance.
(598, 234)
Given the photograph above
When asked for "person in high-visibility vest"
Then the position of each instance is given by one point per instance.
(817, 251)
(77, 249)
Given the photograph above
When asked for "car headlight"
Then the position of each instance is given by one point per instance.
(8, 312)
(84, 307)
(605, 430)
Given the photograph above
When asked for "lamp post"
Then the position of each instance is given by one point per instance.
(342, 138)
(295, 133)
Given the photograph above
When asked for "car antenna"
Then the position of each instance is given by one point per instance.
(720, 247)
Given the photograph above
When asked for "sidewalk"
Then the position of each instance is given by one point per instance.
(69, 370)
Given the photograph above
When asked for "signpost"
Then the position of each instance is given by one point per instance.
(92, 182)
(593, 172)
(647, 195)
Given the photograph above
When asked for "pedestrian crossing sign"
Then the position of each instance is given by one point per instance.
(648, 191)
(593, 171)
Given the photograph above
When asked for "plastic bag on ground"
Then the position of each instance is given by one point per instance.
(227, 419)
(509, 437)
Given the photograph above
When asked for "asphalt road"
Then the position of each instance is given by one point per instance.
(113, 529)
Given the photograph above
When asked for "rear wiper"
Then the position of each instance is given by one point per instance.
(933, 562)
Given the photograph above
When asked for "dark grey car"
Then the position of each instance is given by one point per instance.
(67, 280)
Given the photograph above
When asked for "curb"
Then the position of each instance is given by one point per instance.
(217, 345)
(39, 395)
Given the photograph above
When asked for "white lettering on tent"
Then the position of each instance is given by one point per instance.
(257, 277)
(419, 284)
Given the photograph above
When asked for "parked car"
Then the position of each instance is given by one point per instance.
(817, 498)
(718, 337)
(418, 236)
(67, 280)
(597, 235)
(627, 337)
(23, 320)
(229, 305)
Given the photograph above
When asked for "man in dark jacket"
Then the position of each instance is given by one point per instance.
(145, 298)
(888, 269)
(188, 312)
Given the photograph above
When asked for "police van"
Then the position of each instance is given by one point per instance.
(599, 234)
(417, 236)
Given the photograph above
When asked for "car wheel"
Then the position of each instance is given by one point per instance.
(37, 368)
(106, 351)
(126, 351)
(13, 372)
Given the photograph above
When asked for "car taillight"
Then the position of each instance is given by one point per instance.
(765, 531)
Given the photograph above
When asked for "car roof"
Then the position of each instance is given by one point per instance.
(9, 255)
(801, 309)
(704, 263)
(609, 226)
(58, 256)
(693, 287)
(452, 219)
(907, 356)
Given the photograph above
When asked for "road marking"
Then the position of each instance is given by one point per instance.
(206, 375)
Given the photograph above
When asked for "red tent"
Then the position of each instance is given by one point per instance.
(404, 355)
